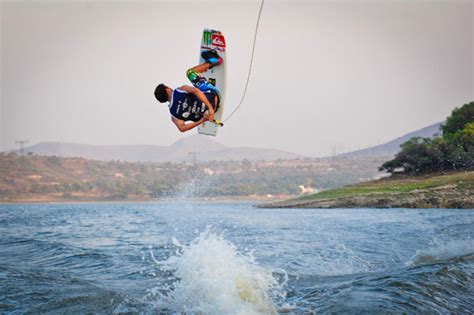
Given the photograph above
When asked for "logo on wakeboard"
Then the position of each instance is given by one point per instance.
(207, 38)
(218, 40)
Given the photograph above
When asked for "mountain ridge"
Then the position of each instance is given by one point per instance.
(193, 147)
(392, 147)
(202, 148)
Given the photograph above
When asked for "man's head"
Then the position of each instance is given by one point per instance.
(162, 93)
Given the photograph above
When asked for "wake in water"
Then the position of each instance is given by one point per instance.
(441, 251)
(209, 276)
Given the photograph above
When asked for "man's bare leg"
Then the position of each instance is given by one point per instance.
(194, 75)
(203, 67)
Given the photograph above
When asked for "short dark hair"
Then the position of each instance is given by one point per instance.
(160, 93)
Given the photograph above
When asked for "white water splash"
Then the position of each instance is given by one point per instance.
(335, 259)
(441, 251)
(212, 277)
(196, 187)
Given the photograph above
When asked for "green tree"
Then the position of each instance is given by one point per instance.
(454, 150)
(463, 143)
(459, 118)
(418, 155)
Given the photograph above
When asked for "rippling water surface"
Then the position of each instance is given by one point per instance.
(230, 258)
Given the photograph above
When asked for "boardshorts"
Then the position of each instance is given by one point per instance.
(199, 81)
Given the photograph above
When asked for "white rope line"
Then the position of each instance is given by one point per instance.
(251, 63)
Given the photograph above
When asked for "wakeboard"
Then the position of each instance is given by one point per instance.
(212, 39)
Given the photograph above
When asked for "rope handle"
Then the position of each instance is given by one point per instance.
(218, 122)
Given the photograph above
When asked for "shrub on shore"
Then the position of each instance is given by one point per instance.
(454, 150)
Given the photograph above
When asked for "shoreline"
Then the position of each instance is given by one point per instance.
(449, 190)
(453, 190)
(44, 200)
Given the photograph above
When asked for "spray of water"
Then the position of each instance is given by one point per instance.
(209, 276)
(198, 185)
(440, 251)
(335, 259)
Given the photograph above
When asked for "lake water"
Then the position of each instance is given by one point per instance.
(231, 258)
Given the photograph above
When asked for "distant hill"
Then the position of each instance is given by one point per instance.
(203, 148)
(392, 147)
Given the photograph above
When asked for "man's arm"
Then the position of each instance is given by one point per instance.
(200, 95)
(183, 127)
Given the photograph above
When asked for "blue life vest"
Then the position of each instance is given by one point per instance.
(186, 106)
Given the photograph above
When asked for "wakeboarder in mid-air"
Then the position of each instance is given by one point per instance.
(197, 103)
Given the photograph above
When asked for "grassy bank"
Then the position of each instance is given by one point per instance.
(441, 190)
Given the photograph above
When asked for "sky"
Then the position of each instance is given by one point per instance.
(327, 76)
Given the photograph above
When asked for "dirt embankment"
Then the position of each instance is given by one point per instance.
(453, 190)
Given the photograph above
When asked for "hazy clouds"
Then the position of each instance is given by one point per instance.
(327, 74)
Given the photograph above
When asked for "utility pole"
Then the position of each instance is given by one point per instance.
(193, 169)
(22, 146)
(194, 157)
